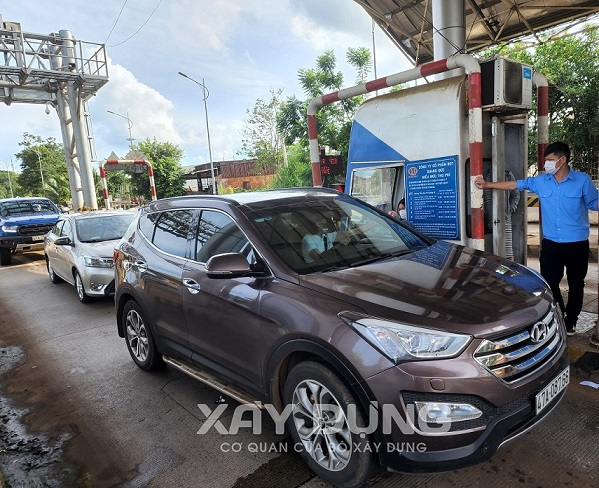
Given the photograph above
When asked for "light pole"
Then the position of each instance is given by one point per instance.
(39, 160)
(129, 124)
(205, 94)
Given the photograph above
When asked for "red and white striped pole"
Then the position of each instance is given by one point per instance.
(475, 125)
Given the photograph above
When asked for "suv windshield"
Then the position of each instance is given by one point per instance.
(344, 232)
(27, 207)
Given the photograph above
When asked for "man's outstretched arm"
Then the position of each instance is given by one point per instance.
(495, 185)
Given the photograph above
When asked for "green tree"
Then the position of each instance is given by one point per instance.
(43, 169)
(8, 184)
(261, 138)
(297, 171)
(168, 173)
(333, 120)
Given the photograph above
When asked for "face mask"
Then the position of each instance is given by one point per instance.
(402, 214)
(550, 167)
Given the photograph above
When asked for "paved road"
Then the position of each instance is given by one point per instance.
(96, 420)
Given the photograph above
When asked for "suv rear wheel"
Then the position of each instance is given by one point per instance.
(320, 428)
(138, 336)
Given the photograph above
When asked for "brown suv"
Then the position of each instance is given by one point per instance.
(373, 342)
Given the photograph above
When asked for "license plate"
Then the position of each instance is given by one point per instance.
(37, 238)
(547, 394)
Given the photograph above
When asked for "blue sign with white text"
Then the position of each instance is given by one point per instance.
(432, 198)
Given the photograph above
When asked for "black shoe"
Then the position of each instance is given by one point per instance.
(570, 331)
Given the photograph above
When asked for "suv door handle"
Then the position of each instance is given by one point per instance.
(141, 265)
(192, 285)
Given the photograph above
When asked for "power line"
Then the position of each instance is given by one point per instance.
(141, 27)
(116, 21)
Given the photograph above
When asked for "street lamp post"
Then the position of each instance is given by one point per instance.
(39, 160)
(205, 94)
(129, 124)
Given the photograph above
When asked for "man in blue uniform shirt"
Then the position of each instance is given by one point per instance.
(565, 196)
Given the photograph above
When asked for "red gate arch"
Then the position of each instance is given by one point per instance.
(125, 162)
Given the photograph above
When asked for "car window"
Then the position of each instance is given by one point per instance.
(171, 232)
(27, 207)
(147, 223)
(103, 227)
(217, 234)
(67, 230)
(358, 233)
(57, 228)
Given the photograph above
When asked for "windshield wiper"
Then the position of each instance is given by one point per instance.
(334, 267)
(372, 259)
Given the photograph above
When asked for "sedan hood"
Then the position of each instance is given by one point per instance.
(443, 286)
(103, 249)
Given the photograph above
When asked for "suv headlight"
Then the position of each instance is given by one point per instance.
(94, 262)
(401, 342)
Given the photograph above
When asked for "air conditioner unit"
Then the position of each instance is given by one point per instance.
(506, 85)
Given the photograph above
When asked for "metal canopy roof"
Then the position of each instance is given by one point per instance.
(409, 23)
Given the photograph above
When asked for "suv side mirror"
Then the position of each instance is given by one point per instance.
(229, 265)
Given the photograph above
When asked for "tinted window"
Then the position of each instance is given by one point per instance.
(146, 224)
(217, 234)
(359, 234)
(27, 207)
(171, 231)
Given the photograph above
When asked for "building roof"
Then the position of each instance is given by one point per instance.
(409, 23)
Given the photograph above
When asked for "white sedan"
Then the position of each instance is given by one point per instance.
(79, 251)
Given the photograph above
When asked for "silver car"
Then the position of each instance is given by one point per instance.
(79, 250)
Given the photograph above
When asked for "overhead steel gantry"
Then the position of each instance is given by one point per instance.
(62, 72)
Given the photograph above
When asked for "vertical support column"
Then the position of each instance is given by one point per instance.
(73, 170)
(475, 134)
(314, 150)
(151, 175)
(104, 185)
(449, 32)
(80, 135)
(542, 130)
(66, 128)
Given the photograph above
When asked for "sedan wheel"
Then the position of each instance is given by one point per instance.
(140, 341)
(54, 278)
(83, 297)
(320, 428)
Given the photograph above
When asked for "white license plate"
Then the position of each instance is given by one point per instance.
(37, 238)
(547, 394)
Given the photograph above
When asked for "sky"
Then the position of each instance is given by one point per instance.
(241, 49)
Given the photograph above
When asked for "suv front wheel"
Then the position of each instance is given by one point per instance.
(320, 428)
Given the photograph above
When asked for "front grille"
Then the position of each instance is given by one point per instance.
(520, 354)
(34, 229)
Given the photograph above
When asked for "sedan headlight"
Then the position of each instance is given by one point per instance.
(400, 342)
(94, 262)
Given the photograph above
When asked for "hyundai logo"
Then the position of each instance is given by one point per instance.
(538, 332)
